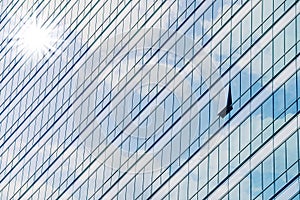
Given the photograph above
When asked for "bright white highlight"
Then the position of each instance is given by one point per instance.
(35, 38)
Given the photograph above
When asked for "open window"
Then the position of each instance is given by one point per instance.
(227, 106)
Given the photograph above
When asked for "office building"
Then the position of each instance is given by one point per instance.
(159, 99)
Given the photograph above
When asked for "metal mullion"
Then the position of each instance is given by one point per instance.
(63, 33)
(18, 28)
(247, 159)
(2, 27)
(221, 127)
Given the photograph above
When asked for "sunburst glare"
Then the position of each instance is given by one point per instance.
(36, 38)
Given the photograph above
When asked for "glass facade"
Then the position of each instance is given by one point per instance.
(154, 99)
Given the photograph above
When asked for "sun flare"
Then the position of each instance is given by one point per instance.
(35, 38)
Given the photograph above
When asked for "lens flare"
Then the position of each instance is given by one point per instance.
(35, 38)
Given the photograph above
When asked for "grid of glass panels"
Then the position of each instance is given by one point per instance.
(125, 95)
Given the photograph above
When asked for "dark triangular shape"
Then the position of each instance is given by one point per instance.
(229, 98)
(228, 107)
